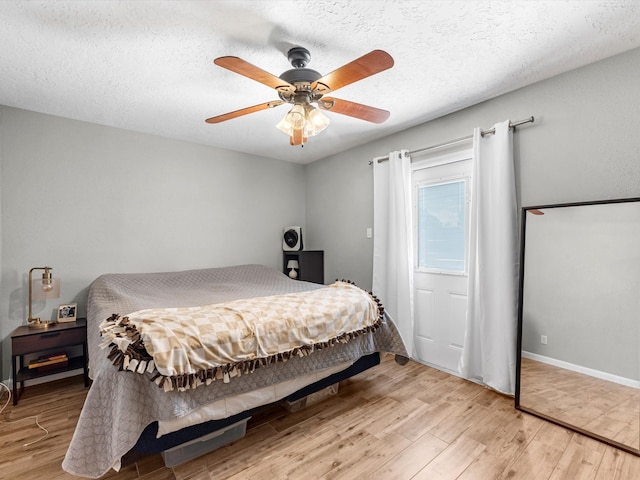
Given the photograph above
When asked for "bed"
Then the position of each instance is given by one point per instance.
(126, 412)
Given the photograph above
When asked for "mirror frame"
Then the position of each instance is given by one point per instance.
(518, 406)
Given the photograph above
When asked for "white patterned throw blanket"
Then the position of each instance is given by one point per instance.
(186, 347)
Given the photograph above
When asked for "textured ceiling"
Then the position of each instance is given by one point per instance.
(148, 66)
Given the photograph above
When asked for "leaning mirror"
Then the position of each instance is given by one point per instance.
(579, 319)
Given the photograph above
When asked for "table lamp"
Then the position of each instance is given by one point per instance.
(42, 289)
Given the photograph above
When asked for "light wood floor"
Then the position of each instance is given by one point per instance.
(391, 422)
(599, 406)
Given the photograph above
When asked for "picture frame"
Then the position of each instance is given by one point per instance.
(67, 312)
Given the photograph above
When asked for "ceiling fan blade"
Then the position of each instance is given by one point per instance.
(353, 109)
(244, 111)
(363, 67)
(241, 67)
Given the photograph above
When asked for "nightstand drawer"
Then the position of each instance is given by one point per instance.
(47, 340)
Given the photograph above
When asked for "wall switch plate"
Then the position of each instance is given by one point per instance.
(369, 232)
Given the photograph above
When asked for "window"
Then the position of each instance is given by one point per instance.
(441, 196)
(442, 226)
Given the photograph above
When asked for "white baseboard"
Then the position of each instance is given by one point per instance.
(584, 370)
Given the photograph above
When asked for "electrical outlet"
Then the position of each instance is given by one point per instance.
(543, 339)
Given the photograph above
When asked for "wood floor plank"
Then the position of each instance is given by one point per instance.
(453, 461)
(366, 458)
(536, 462)
(423, 420)
(618, 465)
(489, 465)
(462, 418)
(411, 460)
(580, 459)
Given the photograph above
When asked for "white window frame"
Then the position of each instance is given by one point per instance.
(465, 175)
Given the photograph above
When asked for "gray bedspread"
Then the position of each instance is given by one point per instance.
(121, 404)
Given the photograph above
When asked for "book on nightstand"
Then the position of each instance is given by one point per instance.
(54, 360)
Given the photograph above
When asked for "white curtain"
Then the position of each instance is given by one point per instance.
(489, 354)
(393, 241)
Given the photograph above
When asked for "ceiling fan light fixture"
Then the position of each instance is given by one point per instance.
(303, 121)
(284, 125)
(294, 120)
(296, 117)
(316, 121)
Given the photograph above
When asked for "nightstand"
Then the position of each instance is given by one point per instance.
(58, 336)
(310, 264)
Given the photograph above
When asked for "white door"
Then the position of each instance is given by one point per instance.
(441, 195)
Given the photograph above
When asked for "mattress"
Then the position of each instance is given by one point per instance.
(229, 406)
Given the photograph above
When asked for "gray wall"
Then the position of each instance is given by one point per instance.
(584, 145)
(87, 200)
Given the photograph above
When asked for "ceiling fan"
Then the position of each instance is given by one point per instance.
(303, 87)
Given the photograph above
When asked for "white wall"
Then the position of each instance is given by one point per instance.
(584, 145)
(87, 200)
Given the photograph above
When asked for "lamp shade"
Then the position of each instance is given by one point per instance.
(44, 289)
(294, 120)
(41, 289)
(316, 121)
(292, 264)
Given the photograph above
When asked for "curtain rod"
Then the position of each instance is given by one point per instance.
(461, 139)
